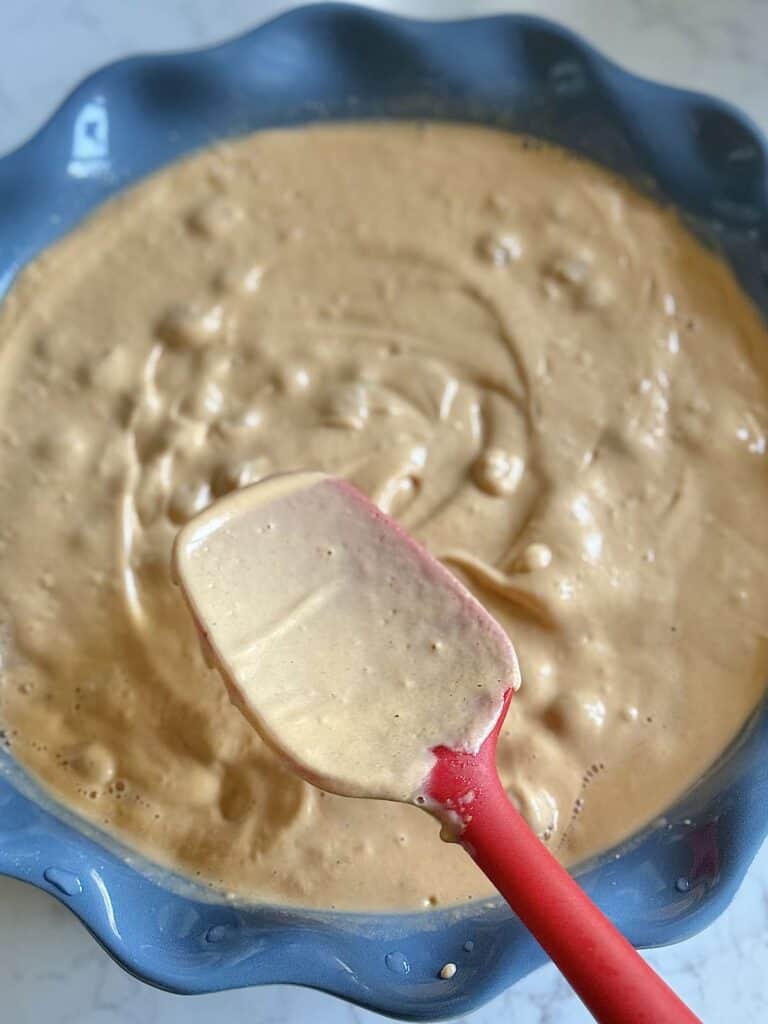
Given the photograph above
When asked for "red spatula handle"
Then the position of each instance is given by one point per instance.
(607, 973)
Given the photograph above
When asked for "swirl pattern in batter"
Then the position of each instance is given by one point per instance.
(538, 371)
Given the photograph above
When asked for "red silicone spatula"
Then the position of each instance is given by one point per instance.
(605, 971)
(374, 672)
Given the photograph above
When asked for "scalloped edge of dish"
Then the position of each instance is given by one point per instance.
(706, 843)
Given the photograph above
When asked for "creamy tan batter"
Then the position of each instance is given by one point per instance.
(352, 651)
(540, 373)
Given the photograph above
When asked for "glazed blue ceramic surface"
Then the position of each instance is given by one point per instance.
(338, 62)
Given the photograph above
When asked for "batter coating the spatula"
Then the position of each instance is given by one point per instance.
(352, 652)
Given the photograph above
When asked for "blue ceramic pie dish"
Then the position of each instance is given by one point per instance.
(338, 62)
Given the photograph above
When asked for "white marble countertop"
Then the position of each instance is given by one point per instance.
(50, 969)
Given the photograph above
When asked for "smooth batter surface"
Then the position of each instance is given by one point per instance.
(351, 650)
(538, 372)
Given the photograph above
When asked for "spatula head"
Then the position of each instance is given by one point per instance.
(351, 650)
